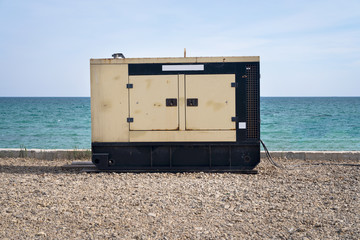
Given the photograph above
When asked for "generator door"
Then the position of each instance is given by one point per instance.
(153, 102)
(210, 102)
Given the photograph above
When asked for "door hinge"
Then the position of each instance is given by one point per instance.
(234, 84)
(129, 85)
(234, 119)
(129, 120)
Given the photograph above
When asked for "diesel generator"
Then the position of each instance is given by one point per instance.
(175, 114)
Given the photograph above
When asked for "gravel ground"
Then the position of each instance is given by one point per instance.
(40, 200)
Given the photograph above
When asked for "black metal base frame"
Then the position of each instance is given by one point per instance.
(175, 157)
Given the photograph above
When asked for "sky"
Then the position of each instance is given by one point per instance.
(306, 48)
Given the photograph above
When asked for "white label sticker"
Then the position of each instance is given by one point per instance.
(242, 125)
(186, 67)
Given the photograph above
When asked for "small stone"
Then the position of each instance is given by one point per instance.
(317, 225)
(41, 234)
(151, 214)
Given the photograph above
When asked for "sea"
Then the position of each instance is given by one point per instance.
(287, 123)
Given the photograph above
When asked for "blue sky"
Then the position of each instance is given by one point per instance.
(307, 48)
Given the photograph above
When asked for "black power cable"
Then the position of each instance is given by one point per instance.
(269, 156)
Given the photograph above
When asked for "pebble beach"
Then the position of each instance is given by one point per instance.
(41, 200)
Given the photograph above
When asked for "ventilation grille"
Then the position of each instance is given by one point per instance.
(252, 93)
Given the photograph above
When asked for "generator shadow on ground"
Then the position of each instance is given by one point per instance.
(9, 169)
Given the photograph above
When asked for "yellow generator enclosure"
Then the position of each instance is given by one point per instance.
(175, 114)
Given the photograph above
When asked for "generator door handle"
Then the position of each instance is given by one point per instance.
(192, 102)
(171, 102)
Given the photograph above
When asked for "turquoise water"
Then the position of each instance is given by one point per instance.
(311, 123)
(301, 123)
(45, 123)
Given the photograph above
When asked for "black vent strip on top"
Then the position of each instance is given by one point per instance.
(252, 93)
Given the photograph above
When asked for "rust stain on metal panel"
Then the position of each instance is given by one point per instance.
(215, 105)
(106, 105)
(148, 83)
(157, 104)
(107, 61)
